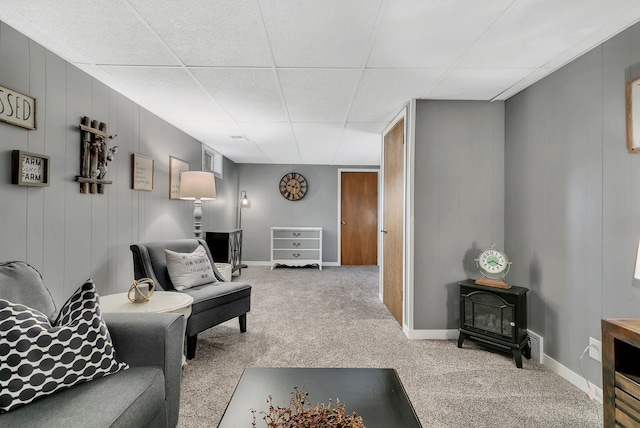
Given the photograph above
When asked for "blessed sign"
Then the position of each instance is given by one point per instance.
(17, 109)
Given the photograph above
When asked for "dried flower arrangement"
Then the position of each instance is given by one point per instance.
(300, 414)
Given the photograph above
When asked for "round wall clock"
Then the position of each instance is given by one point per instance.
(494, 265)
(293, 186)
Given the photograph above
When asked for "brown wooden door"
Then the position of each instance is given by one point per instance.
(393, 213)
(359, 218)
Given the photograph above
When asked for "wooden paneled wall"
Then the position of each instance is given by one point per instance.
(69, 236)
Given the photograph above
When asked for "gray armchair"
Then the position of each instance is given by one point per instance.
(213, 303)
(145, 395)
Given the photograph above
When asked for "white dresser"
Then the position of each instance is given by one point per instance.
(296, 246)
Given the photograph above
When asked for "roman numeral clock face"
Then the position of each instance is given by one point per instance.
(293, 186)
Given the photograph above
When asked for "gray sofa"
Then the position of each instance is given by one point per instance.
(213, 303)
(145, 395)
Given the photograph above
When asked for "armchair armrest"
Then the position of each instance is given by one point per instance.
(152, 339)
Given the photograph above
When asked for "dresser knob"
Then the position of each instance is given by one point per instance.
(512, 324)
(296, 244)
(296, 234)
(296, 254)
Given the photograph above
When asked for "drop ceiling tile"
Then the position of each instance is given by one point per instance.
(318, 95)
(430, 33)
(375, 158)
(209, 131)
(476, 84)
(210, 33)
(328, 33)
(606, 31)
(275, 139)
(248, 94)
(271, 133)
(101, 31)
(281, 153)
(524, 83)
(383, 92)
(241, 153)
(365, 133)
(168, 92)
(357, 143)
(532, 32)
(317, 142)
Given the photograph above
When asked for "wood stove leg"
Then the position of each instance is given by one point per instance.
(517, 355)
(461, 338)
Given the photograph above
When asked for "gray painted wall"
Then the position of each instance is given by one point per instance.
(573, 199)
(69, 236)
(319, 207)
(458, 201)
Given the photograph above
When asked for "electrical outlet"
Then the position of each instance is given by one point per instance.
(595, 349)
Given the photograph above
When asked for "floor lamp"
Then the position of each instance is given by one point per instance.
(197, 186)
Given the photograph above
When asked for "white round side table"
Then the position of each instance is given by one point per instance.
(160, 302)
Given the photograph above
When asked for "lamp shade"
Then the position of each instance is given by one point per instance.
(197, 185)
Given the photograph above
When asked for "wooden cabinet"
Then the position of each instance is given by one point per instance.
(621, 372)
(226, 247)
(296, 246)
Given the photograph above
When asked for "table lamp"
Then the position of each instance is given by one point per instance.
(197, 186)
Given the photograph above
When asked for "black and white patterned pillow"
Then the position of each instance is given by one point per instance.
(39, 359)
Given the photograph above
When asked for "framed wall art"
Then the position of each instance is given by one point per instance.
(176, 167)
(633, 115)
(141, 172)
(29, 169)
(17, 109)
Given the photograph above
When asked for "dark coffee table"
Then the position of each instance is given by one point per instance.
(375, 394)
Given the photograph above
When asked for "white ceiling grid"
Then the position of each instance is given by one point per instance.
(312, 81)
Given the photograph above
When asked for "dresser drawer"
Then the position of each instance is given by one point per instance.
(627, 405)
(298, 244)
(296, 255)
(629, 384)
(305, 234)
(626, 410)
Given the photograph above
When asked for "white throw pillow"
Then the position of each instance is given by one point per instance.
(187, 270)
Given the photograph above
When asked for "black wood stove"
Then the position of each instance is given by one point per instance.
(495, 317)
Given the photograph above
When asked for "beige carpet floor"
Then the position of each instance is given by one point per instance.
(303, 317)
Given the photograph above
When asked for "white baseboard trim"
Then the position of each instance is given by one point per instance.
(256, 263)
(446, 334)
(261, 263)
(572, 377)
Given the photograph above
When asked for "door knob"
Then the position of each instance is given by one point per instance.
(342, 222)
(384, 231)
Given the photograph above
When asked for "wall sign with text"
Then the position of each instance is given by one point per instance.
(17, 109)
(141, 172)
(29, 169)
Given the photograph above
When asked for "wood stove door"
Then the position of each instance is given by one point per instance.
(489, 314)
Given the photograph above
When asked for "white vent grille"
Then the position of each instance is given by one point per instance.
(536, 342)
